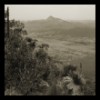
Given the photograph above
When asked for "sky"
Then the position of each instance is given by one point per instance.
(66, 12)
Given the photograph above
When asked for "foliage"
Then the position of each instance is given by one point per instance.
(18, 61)
(31, 70)
(89, 88)
(69, 69)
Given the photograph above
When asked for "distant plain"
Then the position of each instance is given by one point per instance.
(69, 41)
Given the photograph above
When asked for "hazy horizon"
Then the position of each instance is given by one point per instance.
(65, 12)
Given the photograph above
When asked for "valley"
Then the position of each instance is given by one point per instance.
(69, 44)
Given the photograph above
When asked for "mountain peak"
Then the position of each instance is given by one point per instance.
(51, 18)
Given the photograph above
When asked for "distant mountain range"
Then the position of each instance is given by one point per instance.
(58, 26)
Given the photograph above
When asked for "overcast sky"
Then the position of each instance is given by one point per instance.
(66, 12)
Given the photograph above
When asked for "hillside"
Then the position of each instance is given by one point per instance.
(36, 72)
(49, 57)
(55, 26)
(75, 39)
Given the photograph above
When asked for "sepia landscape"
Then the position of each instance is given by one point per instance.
(50, 56)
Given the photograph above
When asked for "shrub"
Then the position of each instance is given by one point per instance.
(18, 62)
(69, 69)
(89, 88)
